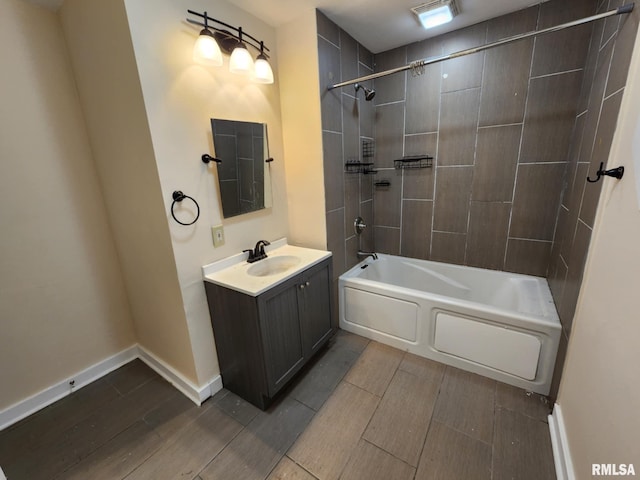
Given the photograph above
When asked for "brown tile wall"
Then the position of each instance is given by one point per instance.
(514, 131)
(347, 120)
(602, 88)
(499, 124)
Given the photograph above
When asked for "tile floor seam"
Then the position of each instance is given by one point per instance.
(493, 448)
(341, 379)
(230, 416)
(120, 395)
(377, 406)
(80, 459)
(372, 414)
(160, 445)
(351, 454)
(139, 386)
(185, 426)
(431, 419)
(424, 444)
(494, 432)
(390, 453)
(144, 417)
(296, 463)
(223, 448)
(358, 386)
(465, 433)
(280, 459)
(140, 465)
(309, 406)
(545, 421)
(428, 426)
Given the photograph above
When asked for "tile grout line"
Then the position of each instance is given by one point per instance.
(388, 452)
(431, 420)
(465, 258)
(494, 433)
(316, 411)
(376, 410)
(227, 444)
(372, 414)
(295, 463)
(522, 131)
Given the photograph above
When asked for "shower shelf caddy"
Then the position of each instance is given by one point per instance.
(416, 161)
(359, 167)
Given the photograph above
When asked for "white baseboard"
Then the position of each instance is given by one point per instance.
(560, 446)
(40, 400)
(30, 405)
(191, 391)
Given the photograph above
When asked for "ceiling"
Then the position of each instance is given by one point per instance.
(379, 25)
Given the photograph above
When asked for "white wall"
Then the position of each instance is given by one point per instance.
(600, 388)
(99, 42)
(302, 125)
(180, 99)
(147, 111)
(63, 306)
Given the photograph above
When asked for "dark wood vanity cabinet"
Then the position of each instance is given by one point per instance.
(263, 341)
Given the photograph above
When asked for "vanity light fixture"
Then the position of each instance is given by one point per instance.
(241, 61)
(262, 70)
(436, 12)
(206, 50)
(213, 40)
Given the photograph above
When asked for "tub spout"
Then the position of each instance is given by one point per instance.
(373, 255)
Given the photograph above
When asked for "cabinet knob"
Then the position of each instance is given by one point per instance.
(306, 284)
(302, 286)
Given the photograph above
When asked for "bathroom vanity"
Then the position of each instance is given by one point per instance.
(269, 318)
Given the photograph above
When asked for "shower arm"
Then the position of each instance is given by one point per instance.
(419, 64)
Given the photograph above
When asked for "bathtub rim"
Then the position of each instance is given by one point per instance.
(552, 320)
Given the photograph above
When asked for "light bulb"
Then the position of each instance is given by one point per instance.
(241, 61)
(206, 50)
(262, 70)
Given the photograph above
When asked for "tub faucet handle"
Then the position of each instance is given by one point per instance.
(373, 255)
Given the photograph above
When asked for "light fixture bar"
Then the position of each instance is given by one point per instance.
(255, 43)
(428, 61)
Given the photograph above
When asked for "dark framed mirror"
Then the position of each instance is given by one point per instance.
(243, 174)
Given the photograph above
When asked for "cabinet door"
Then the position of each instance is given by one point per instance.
(315, 312)
(282, 337)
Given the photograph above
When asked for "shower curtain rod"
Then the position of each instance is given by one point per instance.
(418, 64)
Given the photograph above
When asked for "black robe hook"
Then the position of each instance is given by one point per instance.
(206, 158)
(614, 172)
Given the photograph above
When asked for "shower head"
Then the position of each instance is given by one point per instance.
(369, 93)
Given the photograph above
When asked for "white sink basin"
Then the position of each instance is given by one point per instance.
(273, 265)
(284, 262)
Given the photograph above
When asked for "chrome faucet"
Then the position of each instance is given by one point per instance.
(258, 252)
(373, 255)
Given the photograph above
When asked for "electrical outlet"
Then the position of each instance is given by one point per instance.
(218, 236)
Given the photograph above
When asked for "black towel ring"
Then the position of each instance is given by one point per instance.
(178, 196)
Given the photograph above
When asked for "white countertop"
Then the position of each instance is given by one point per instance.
(232, 273)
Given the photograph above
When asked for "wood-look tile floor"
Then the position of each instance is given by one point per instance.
(361, 410)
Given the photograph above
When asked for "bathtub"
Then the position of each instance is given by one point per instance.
(500, 325)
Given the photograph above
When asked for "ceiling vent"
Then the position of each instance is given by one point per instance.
(436, 12)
